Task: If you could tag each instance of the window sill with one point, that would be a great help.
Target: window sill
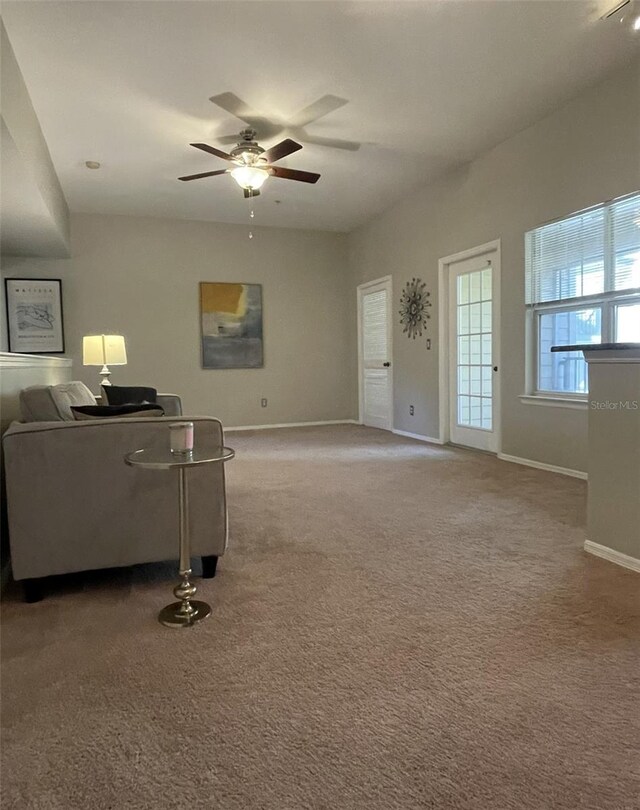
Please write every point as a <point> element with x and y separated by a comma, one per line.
<point>554,402</point>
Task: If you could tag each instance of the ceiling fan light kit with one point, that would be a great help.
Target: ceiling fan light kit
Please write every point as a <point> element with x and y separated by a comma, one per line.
<point>252,163</point>
<point>249,177</point>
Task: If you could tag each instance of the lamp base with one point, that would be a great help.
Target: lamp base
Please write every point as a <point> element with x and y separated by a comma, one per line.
<point>104,376</point>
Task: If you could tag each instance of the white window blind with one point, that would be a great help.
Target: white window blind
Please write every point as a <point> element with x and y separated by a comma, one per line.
<point>625,242</point>
<point>590,253</point>
<point>374,326</point>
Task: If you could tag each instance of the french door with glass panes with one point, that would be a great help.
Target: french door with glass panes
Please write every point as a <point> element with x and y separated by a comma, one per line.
<point>473,351</point>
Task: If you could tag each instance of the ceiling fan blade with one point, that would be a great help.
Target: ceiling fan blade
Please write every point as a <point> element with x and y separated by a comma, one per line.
<point>251,192</point>
<point>232,104</point>
<point>293,174</point>
<point>332,143</point>
<point>323,106</point>
<point>203,174</point>
<point>280,150</point>
<point>212,150</point>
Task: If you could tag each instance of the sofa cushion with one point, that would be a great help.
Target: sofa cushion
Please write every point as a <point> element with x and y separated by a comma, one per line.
<point>36,405</point>
<point>128,394</point>
<point>52,403</point>
<point>83,412</point>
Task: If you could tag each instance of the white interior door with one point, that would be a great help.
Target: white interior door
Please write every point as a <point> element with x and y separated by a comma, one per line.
<point>374,332</point>
<point>474,351</point>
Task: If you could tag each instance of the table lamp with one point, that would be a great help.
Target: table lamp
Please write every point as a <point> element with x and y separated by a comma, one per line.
<point>105,351</point>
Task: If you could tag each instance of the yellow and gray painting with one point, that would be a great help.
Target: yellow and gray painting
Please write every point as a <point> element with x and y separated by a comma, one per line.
<point>231,318</point>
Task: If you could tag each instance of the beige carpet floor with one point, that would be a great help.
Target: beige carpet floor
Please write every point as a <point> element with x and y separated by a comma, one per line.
<point>396,626</point>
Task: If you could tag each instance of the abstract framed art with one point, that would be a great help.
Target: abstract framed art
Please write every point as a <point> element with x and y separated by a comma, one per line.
<point>231,325</point>
<point>34,315</point>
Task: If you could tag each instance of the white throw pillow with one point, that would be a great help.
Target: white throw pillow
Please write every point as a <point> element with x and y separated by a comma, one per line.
<point>65,395</point>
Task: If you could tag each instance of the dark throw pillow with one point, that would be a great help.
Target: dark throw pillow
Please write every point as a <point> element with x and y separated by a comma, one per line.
<point>85,412</point>
<point>128,394</point>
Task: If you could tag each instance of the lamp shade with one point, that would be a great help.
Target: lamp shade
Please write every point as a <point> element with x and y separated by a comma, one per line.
<point>104,350</point>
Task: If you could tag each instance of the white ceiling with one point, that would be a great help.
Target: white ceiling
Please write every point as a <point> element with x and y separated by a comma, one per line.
<point>429,85</point>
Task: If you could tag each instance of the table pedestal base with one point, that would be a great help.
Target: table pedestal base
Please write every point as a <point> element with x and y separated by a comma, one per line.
<point>174,615</point>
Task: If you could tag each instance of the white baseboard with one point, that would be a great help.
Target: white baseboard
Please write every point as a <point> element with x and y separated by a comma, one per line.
<point>291,424</point>
<point>540,465</point>
<point>610,554</point>
<point>419,436</point>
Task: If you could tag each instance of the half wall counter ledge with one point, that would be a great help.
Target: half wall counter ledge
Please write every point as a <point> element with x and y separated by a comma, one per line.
<point>613,501</point>
<point>599,347</point>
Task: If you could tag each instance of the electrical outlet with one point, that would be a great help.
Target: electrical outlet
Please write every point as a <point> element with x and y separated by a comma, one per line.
<point>410,410</point>
<point>263,402</point>
<point>428,343</point>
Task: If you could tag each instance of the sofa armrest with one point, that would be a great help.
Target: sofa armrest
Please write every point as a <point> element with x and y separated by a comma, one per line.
<point>171,403</point>
<point>74,505</point>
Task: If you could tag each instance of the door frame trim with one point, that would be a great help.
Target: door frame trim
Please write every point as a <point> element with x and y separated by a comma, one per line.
<point>443,336</point>
<point>359,290</point>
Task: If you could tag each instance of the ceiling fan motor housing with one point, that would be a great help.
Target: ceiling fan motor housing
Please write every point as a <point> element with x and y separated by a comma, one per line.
<point>247,146</point>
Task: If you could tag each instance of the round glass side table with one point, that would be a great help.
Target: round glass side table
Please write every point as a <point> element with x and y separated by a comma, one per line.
<point>188,611</point>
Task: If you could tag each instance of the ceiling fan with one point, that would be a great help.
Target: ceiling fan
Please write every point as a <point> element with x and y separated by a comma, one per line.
<point>253,165</point>
<point>296,125</point>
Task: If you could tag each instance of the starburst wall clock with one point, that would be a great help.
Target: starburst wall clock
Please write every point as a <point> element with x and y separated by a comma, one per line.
<point>414,308</point>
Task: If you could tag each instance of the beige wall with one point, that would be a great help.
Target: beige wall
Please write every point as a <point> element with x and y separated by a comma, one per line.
<point>139,277</point>
<point>613,506</point>
<point>35,216</point>
<point>586,152</point>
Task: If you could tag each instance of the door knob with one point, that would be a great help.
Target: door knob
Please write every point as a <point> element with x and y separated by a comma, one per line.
<point>386,365</point>
<point>495,368</point>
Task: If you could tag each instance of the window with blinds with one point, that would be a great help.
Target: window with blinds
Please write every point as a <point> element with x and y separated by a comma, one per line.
<point>594,252</point>
<point>582,286</point>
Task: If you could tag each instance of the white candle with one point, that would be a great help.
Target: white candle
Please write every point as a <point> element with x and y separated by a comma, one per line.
<point>181,437</point>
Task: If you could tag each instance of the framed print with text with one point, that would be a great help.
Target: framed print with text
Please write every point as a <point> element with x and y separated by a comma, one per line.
<point>34,315</point>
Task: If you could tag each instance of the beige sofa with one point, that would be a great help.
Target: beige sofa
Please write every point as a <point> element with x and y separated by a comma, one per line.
<point>73,504</point>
